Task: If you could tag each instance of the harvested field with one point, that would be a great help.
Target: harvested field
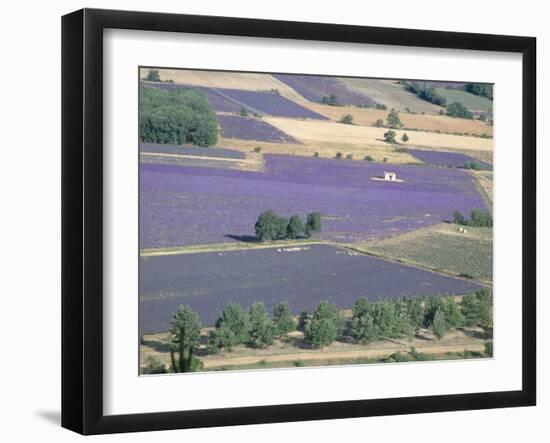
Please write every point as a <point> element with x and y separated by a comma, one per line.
<point>318,131</point>
<point>471,101</point>
<point>324,150</point>
<point>220,79</point>
<point>301,276</point>
<point>441,247</point>
<point>442,123</point>
<point>391,94</point>
<point>188,206</point>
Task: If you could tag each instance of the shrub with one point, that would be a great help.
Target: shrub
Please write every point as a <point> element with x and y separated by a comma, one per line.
<point>258,149</point>
<point>405,138</point>
<point>262,330</point>
<point>488,348</point>
<point>339,155</point>
<point>303,320</point>
<point>438,326</point>
<point>482,117</point>
<point>347,119</point>
<point>282,317</point>
<point>389,136</point>
<point>316,154</point>
<point>385,160</point>
<point>349,157</point>
<point>154,366</point>
<point>379,123</point>
<point>243,112</point>
<point>330,100</point>
<point>381,107</point>
<point>369,158</point>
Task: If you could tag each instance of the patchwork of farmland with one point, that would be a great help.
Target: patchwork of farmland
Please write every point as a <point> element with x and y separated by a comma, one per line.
<point>316,88</point>
<point>249,128</point>
<point>448,159</point>
<point>188,206</point>
<point>301,276</point>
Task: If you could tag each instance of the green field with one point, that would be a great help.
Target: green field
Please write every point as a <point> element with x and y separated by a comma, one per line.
<point>471,101</point>
<point>442,248</point>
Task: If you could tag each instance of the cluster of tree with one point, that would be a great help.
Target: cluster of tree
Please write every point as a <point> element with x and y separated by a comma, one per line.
<point>369,322</point>
<point>379,106</point>
<point>153,76</point>
<point>478,219</point>
<point>428,94</point>
<point>177,116</point>
<point>457,109</point>
<point>271,226</point>
<point>330,100</point>
<point>405,316</point>
<point>389,136</point>
<point>482,89</point>
<point>254,328</point>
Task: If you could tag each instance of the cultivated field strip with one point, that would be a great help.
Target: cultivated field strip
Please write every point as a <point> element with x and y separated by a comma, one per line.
<point>318,131</point>
<point>301,275</point>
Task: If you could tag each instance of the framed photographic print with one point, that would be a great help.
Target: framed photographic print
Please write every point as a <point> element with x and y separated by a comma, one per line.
<point>273,221</point>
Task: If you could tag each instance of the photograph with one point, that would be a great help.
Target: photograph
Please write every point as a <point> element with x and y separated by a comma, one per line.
<point>290,220</point>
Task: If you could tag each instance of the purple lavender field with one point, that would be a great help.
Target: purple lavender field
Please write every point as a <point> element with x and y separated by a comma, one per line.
<point>303,278</point>
<point>191,150</point>
<point>233,100</point>
<point>448,159</point>
<point>314,88</point>
<point>249,128</point>
<point>190,205</point>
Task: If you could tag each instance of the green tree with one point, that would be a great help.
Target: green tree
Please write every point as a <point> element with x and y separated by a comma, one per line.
<point>457,109</point>
<point>331,100</point>
<point>232,328</point>
<point>339,155</point>
<point>347,119</point>
<point>438,326</point>
<point>324,326</point>
<point>389,136</point>
<point>295,228</point>
<point>393,119</point>
<point>369,158</point>
<point>453,314</point>
<point>405,138</point>
<point>267,226</point>
<point>282,317</point>
<point>154,366</point>
<point>185,332</point>
<point>313,223</point>
<point>153,76</point>
<point>458,218</point>
<point>417,312</point>
<point>477,309</point>
<point>362,326</point>
<point>243,112</point>
<point>262,329</point>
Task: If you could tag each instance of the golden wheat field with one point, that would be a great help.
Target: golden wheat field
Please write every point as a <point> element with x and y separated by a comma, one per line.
<point>367,117</point>
<point>323,131</point>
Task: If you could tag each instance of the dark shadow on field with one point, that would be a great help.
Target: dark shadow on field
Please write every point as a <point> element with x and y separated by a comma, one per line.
<point>157,345</point>
<point>242,238</point>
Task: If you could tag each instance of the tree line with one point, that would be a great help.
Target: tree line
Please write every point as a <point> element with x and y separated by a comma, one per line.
<point>271,226</point>
<point>478,219</point>
<point>370,321</point>
<point>176,116</point>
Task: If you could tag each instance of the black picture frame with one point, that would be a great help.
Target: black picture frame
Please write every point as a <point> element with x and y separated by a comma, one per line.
<point>82,218</point>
